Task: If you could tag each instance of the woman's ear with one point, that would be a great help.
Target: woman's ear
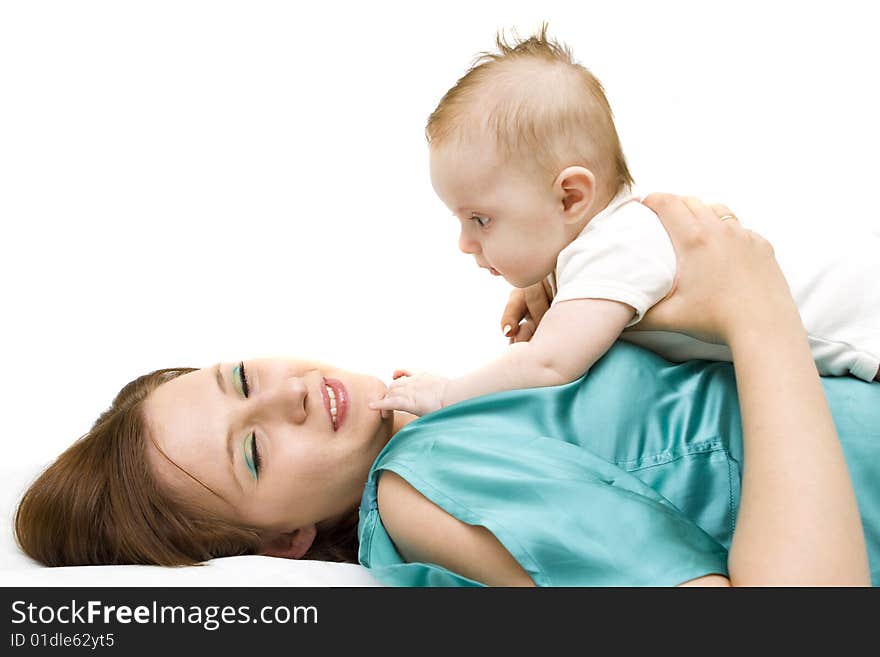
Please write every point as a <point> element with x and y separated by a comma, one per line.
<point>290,545</point>
<point>576,189</point>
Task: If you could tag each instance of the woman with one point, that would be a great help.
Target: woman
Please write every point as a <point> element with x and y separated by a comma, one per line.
<point>629,476</point>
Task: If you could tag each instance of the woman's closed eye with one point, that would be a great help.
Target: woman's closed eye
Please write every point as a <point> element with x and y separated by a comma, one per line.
<point>252,455</point>
<point>239,380</point>
<point>251,451</point>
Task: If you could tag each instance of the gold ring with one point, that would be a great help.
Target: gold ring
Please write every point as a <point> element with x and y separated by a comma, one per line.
<point>727,216</point>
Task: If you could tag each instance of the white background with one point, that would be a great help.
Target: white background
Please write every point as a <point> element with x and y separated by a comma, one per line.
<point>186,182</point>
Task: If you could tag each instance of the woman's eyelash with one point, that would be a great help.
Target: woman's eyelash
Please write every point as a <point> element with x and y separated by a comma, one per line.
<point>245,388</point>
<point>252,455</point>
<point>255,455</point>
<point>480,220</point>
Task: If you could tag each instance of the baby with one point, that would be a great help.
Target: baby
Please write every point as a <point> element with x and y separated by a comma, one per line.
<point>524,151</point>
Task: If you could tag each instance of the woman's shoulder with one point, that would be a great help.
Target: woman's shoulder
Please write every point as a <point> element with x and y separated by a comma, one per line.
<point>424,532</point>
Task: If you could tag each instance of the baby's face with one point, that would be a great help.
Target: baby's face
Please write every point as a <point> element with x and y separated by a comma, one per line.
<point>511,221</point>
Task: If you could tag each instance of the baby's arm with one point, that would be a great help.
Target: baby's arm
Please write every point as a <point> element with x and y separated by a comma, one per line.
<point>571,337</point>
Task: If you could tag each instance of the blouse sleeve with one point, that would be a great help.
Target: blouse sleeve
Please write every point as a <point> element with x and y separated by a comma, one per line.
<point>569,517</point>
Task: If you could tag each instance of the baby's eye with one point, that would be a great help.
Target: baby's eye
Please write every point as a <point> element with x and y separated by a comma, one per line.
<point>480,220</point>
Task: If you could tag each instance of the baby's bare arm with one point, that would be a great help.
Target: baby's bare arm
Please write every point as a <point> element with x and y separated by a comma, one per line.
<point>572,336</point>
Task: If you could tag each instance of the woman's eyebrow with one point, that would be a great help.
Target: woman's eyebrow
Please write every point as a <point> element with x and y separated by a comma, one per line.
<point>221,383</point>
<point>219,376</point>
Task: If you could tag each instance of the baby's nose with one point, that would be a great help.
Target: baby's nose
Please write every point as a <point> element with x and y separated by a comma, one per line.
<point>467,244</point>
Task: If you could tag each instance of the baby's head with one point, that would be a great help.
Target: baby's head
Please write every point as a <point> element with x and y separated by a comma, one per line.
<point>524,152</point>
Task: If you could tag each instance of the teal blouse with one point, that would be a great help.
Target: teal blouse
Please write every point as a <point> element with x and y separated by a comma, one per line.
<point>629,476</point>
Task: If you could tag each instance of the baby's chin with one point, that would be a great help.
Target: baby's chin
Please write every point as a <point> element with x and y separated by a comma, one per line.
<point>533,278</point>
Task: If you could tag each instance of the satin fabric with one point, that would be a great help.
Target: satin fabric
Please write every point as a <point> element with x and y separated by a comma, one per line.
<point>629,476</point>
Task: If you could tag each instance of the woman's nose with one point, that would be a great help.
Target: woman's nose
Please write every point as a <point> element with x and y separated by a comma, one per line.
<point>287,400</point>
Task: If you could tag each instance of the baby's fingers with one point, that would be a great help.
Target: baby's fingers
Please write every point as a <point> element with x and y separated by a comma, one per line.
<point>400,386</point>
<point>538,298</point>
<point>513,313</point>
<point>394,403</point>
<point>525,332</point>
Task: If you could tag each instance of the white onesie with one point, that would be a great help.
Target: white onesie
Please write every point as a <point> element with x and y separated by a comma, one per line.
<point>624,254</point>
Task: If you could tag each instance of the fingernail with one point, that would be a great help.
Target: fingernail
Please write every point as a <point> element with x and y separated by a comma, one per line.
<point>507,328</point>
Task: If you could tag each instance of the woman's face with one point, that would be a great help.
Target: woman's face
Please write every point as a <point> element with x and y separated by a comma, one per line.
<point>286,443</point>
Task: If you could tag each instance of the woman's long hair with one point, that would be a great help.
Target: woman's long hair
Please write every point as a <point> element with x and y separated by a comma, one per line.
<point>99,503</point>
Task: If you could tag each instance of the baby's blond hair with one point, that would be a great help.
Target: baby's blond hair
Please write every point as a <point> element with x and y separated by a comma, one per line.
<point>541,107</point>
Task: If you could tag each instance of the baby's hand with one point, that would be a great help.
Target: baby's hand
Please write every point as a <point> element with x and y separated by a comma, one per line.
<point>418,394</point>
<point>524,310</point>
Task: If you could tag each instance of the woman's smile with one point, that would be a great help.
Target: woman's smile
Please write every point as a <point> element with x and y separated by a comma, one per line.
<point>335,397</point>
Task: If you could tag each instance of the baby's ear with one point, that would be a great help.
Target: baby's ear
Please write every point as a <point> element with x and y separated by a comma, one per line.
<point>576,188</point>
<point>290,545</point>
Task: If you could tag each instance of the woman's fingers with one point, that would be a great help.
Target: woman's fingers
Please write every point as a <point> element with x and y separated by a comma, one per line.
<point>726,275</point>
<point>676,217</point>
<point>699,209</point>
<point>683,215</point>
<point>703,249</point>
<point>723,212</point>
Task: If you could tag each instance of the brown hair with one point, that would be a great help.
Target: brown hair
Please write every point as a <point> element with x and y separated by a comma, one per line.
<point>540,105</point>
<point>99,504</point>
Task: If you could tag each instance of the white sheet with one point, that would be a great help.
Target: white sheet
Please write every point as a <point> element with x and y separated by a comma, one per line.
<point>16,569</point>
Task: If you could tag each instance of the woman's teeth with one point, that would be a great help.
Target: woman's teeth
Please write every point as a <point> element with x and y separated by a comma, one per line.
<point>332,396</point>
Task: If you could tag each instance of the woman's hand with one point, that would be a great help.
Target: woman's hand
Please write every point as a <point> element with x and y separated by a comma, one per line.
<point>798,521</point>
<point>727,279</point>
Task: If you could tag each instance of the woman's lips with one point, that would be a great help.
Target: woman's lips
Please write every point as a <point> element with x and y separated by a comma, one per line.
<point>494,271</point>
<point>341,394</point>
